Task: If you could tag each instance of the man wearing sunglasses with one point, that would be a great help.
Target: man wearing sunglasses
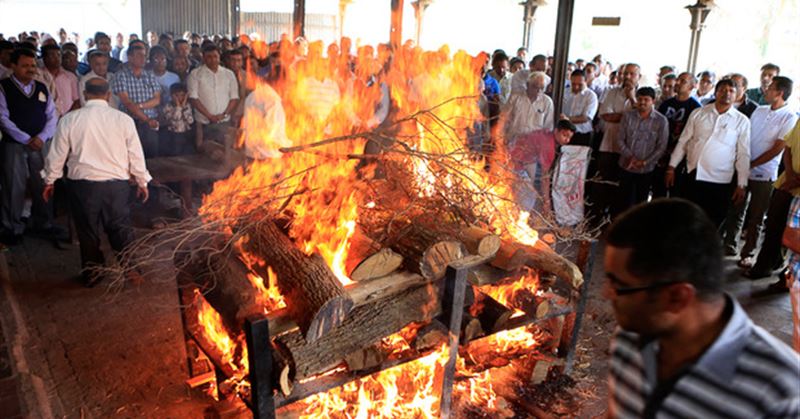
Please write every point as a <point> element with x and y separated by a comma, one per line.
<point>685,348</point>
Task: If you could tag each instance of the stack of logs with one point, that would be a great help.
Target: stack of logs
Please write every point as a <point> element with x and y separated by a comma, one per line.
<point>396,283</point>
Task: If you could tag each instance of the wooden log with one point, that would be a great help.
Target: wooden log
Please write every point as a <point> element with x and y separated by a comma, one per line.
<point>479,241</point>
<point>486,275</point>
<point>315,298</point>
<point>369,357</point>
<point>361,247</point>
<point>427,252</point>
<point>492,315</point>
<point>190,296</point>
<point>430,336</point>
<point>513,256</point>
<point>471,328</point>
<point>381,263</point>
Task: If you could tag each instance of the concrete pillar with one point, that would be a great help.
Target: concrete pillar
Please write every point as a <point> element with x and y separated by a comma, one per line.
<point>299,18</point>
<point>396,32</point>
<point>529,10</point>
<point>699,12</point>
<point>419,13</point>
<point>342,12</point>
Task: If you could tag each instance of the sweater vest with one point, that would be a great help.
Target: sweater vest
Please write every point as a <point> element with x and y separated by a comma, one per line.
<point>28,113</point>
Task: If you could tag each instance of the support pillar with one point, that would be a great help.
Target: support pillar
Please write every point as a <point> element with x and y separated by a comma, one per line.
<point>529,10</point>
<point>233,17</point>
<point>419,13</point>
<point>396,32</point>
<point>299,19</point>
<point>699,12</point>
<point>561,51</point>
<point>342,12</point>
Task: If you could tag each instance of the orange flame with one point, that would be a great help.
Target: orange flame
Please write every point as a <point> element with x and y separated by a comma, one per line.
<point>506,292</point>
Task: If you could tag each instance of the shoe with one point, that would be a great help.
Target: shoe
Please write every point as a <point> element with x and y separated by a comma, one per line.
<point>746,262</point>
<point>754,275</point>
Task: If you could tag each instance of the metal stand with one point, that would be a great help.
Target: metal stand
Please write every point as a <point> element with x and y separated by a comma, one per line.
<point>259,357</point>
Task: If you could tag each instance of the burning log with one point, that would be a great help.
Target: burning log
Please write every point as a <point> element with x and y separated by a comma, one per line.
<point>486,275</point>
<point>480,242</point>
<point>513,256</point>
<point>492,315</point>
<point>426,251</point>
<point>190,296</point>
<point>430,336</point>
<point>366,259</point>
<point>471,328</point>
<point>315,298</point>
<point>369,357</point>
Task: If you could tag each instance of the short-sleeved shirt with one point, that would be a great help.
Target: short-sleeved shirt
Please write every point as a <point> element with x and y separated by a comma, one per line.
<point>677,113</point>
<point>177,119</point>
<point>614,101</point>
<point>793,221</point>
<point>214,89</point>
<point>583,103</point>
<point>793,143</point>
<point>766,127</point>
<point>536,147</point>
<point>140,89</point>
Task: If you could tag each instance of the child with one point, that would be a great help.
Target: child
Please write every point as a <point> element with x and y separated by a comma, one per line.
<point>178,121</point>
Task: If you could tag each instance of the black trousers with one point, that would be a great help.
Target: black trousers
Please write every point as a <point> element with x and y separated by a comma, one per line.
<point>149,139</point>
<point>98,206</point>
<point>20,171</point>
<point>634,188</point>
<point>713,198</point>
<point>770,256</point>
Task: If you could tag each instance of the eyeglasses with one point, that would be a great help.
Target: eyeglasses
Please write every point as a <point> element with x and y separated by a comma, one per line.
<point>632,290</point>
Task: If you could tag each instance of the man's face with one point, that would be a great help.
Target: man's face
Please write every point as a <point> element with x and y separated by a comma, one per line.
<point>539,65</point>
<point>668,88</point>
<point>589,71</point>
<point>235,62</point>
<point>501,68</point>
<point>180,64</point>
<point>119,39</point>
<point>52,59</point>
<point>563,136</point>
<point>740,88</point>
<point>725,94</point>
<point>630,76</point>
<point>182,49</point>
<point>138,58</point>
<point>24,69</point>
<point>159,62</point>
<point>773,93</point>
<point>767,76</point>
<point>535,87</point>
<point>179,97</point>
<point>517,66</point>
<point>577,83</point>
<point>705,84</point>
<point>104,44</point>
<point>644,103</point>
<point>99,65</point>
<point>211,59</point>
<point>69,61</point>
<point>684,84</point>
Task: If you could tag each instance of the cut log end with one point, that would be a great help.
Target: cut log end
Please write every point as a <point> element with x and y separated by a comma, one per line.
<point>329,316</point>
<point>437,257</point>
<point>377,265</point>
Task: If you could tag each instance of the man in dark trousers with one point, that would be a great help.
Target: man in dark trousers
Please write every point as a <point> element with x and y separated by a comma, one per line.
<point>103,154</point>
<point>27,121</point>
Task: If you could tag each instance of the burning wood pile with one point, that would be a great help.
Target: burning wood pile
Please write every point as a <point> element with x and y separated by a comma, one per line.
<point>319,265</point>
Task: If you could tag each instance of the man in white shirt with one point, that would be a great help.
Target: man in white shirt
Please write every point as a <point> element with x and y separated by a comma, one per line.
<point>527,112</point>
<point>580,106</point>
<point>769,124</point>
<point>98,61</point>
<point>501,74</point>
<point>716,144</point>
<point>214,94</point>
<point>103,153</point>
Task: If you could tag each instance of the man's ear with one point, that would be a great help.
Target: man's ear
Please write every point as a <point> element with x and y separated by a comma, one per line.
<point>678,296</point>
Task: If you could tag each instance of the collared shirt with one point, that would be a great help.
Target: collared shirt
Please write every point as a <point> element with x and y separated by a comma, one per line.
<point>793,221</point>
<point>214,90</point>
<point>766,127</point>
<point>583,103</point>
<point>793,143</point>
<point>746,373</point>
<point>615,101</point>
<point>49,81</point>
<point>715,144</point>
<point>599,87</point>
<point>523,116</point>
<point>66,85</point>
<point>756,95</point>
<point>177,118</point>
<point>535,147</point>
<point>113,101</point>
<point>97,143</point>
<point>140,89</point>
<point>505,85</point>
<point>642,139</point>
<point>12,129</point>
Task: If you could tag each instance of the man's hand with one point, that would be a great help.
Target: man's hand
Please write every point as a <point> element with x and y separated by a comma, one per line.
<point>47,193</point>
<point>214,119</point>
<point>142,193</point>
<point>738,195</point>
<point>669,177</point>
<point>152,123</point>
<point>35,143</point>
<point>790,183</point>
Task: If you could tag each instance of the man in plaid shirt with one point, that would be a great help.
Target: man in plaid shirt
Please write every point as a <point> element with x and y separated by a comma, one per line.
<point>140,95</point>
<point>791,239</point>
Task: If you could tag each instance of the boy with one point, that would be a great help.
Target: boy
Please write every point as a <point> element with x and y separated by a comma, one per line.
<point>178,120</point>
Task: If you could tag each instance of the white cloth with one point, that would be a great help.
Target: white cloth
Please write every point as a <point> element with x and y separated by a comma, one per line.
<point>715,144</point>
<point>214,90</point>
<point>766,127</point>
<point>614,101</point>
<point>519,82</point>
<point>577,104</point>
<point>568,180</point>
<point>113,101</point>
<point>523,116</point>
<point>5,72</point>
<point>505,86</point>
<point>97,143</point>
<point>264,124</point>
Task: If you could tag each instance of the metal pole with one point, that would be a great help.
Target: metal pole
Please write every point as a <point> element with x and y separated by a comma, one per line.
<point>455,286</point>
<point>234,17</point>
<point>396,32</point>
<point>561,51</point>
<point>259,357</point>
<point>299,18</point>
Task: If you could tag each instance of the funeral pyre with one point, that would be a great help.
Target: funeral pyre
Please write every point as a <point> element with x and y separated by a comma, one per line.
<point>344,251</point>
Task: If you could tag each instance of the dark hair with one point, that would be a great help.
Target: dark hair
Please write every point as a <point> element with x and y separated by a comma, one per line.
<point>671,240</point>
<point>538,57</point>
<point>70,46</point>
<point>706,73</point>
<point>498,58</point>
<point>734,75</point>
<point>770,66</point>
<point>138,42</point>
<point>724,82</point>
<point>157,49</point>
<point>577,72</point>
<point>49,47</point>
<point>100,35</point>
<point>515,60</point>
<point>670,76</point>
<point>96,86</point>
<point>96,53</point>
<point>4,45</point>
<point>522,49</point>
<point>646,91</point>
<point>563,124</point>
<point>211,47</point>
<point>180,41</point>
<point>22,52</point>
<point>590,64</point>
<point>177,88</point>
<point>784,84</point>
<point>135,47</point>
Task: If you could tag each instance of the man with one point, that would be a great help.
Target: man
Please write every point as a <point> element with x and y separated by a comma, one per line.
<point>593,81</point>
<point>527,112</point>
<point>28,119</point>
<point>158,64</point>
<point>103,43</point>
<point>234,61</point>
<point>516,65</point>
<point>65,83</point>
<point>786,187</point>
<point>677,111</point>
<point>684,348</point>
<point>100,148</point>
<point>579,107</point>
<point>118,47</point>
<point>791,239</point>
<point>502,76</point>
<point>705,87</point>
<point>214,94</point>
<point>69,62</point>
<point>716,144</point>
<point>667,88</point>
<point>742,103</point>
<point>522,54</point>
<point>98,61</point>
<point>769,126</point>
<point>642,140</point>
<point>6,48</point>
<point>616,102</point>
<point>768,72</point>
<point>140,95</point>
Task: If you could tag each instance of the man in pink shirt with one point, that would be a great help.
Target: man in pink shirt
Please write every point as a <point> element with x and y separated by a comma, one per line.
<point>65,82</point>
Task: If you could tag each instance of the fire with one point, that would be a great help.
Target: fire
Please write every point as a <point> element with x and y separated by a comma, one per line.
<point>270,296</point>
<point>214,331</point>
<point>527,282</point>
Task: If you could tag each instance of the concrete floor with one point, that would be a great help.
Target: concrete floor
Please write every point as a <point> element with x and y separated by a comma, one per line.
<point>84,353</point>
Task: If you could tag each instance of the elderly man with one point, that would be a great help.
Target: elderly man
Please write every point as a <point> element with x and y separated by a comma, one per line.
<point>140,94</point>
<point>529,111</point>
<point>98,61</point>
<point>102,152</point>
<point>214,94</point>
<point>685,348</point>
<point>27,120</point>
<point>716,144</point>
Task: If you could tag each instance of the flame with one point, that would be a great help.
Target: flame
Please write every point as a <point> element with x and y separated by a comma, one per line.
<point>269,295</point>
<point>214,331</point>
<point>505,293</point>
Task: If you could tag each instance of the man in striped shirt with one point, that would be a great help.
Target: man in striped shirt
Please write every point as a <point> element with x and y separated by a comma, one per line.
<point>685,348</point>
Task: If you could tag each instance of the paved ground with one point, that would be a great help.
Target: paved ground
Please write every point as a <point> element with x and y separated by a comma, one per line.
<point>74,352</point>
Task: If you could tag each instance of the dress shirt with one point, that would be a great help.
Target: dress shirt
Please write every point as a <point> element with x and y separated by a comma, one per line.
<point>766,127</point>
<point>214,90</point>
<point>642,139</point>
<point>66,84</point>
<point>715,144</point>
<point>49,81</point>
<point>615,101</point>
<point>505,85</point>
<point>97,143</point>
<point>577,104</point>
<point>523,116</point>
<point>756,95</point>
<point>11,128</point>
<point>113,101</point>
<point>140,89</point>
